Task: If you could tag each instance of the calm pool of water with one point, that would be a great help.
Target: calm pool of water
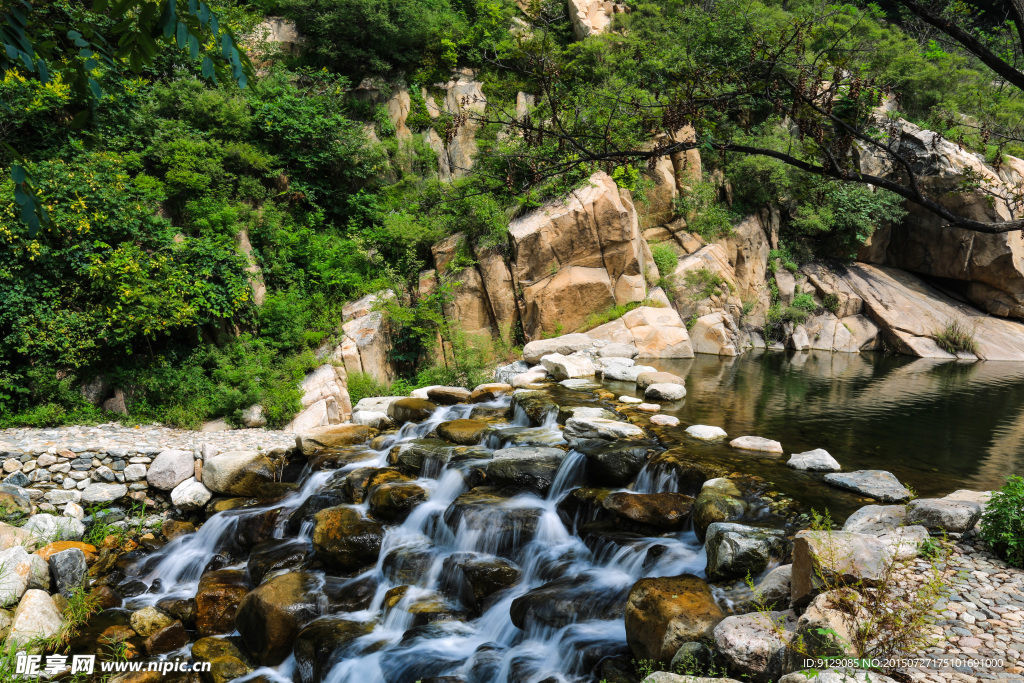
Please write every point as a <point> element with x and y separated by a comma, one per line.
<point>938,426</point>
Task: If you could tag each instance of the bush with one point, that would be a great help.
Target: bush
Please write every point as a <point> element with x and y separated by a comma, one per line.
<point>665,259</point>
<point>956,337</point>
<point>705,283</point>
<point>1002,525</point>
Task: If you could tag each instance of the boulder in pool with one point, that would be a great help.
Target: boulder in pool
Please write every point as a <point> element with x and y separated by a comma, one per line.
<point>736,550</point>
<point>335,436</point>
<point>472,577</point>
<point>706,432</point>
<point>665,612</point>
<point>646,379</point>
<point>817,460</point>
<point>238,473</point>
<point>877,484</point>
<point>601,428</point>
<point>613,464</point>
<point>489,392</point>
<point>462,432</point>
<point>566,344</point>
<point>626,373</point>
<point>756,443</point>
<point>269,617</point>
<point>411,410</point>
<point>665,392</point>
<point>316,644</point>
<point>345,540</point>
<point>568,367</point>
<point>662,511</point>
<point>217,599</point>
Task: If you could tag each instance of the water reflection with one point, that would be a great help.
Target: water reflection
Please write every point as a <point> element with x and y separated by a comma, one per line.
<point>937,425</point>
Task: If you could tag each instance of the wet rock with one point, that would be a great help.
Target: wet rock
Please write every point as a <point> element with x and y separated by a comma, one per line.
<point>755,644</point>
<point>344,540</point>
<point>877,484</point>
<point>410,410</point>
<point>688,473</point>
<point>334,436</point>
<point>393,502</point>
<point>774,589</point>
<point>167,639</point>
<point>626,373</point>
<point>408,564</point>
<point>15,569</point>
<point>69,570</point>
<point>238,473</point>
<point>645,380</point>
<point>37,617</point>
<point>736,550</point>
<point>663,613</point>
<point>448,396</point>
<point>253,528</point>
<point>613,464</point>
<point>426,457</point>
<point>665,392</point>
<point>600,428</point>
<point>190,495</point>
<point>149,620</point>
<point>667,511</point>
<point>173,528</point>
<point>370,418</point>
<point>482,509</point>
<point>531,468</point>
<point>537,405</point>
<point>318,645</point>
<point>360,481</point>
<point>217,599</point>
<point>276,555</point>
<point>269,617</point>
<point>838,556</point>
<point>105,597</point>
<point>818,460</point>
<point>226,659</point>
<point>472,578</point>
<point>170,468</point>
<point>568,367</point>
<point>568,600</point>
<point>664,420</point>
<point>181,609</point>
<point>463,432</point>
<point>46,528</point>
<point>486,393</point>
<point>953,516</point>
<point>756,443</point>
<point>425,606</point>
<point>706,432</point>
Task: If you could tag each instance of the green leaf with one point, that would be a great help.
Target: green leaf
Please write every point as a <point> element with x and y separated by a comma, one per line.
<point>182,35</point>
<point>207,68</point>
<point>97,92</point>
<point>18,174</point>
<point>193,46</point>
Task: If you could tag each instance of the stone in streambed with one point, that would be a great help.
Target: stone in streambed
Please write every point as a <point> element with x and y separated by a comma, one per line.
<point>393,502</point>
<point>664,421</point>
<point>531,468</point>
<point>167,639</point>
<point>462,432</point>
<point>149,620</point>
<point>876,520</point>
<point>269,617</point>
<point>566,344</point>
<point>473,578</point>
<point>410,410</point>
<point>689,473</point>
<point>877,484</point>
<point>69,570</point>
<point>613,464</point>
<point>836,556</point>
<point>317,643</point>
<point>238,473</point>
<point>217,599</point>
<point>227,661</point>
<point>489,392</point>
<point>600,428</point>
<point>716,505</point>
<point>706,432</point>
<point>333,436</point>
<point>645,380</point>
<point>756,443</point>
<point>568,367</point>
<point>665,392</point>
<point>773,590</point>
<point>344,540</point>
<point>818,460</point>
<point>626,373</point>
<point>668,511</point>
<point>663,613</point>
<point>736,550</point>
<point>448,396</point>
<point>276,555</point>
<point>566,600</point>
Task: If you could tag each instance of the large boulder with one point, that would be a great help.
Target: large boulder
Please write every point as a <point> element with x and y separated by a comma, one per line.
<point>15,570</point>
<point>170,468</point>
<point>190,495</point>
<point>735,550</point>
<point>217,599</point>
<point>876,520</point>
<point>269,617</point>
<point>69,570</point>
<point>601,428</point>
<point>567,367</point>
<point>526,467</point>
<point>238,473</point>
<point>225,658</point>
<point>823,560</point>
<point>462,432</point>
<point>877,484</point>
<point>615,463</point>
<point>714,505</point>
<point>411,410</point>
<point>566,344</point>
<point>658,333</point>
<point>36,618</point>
<point>663,613</point>
<point>344,540</point>
<point>954,516</point>
<point>755,644</point>
<point>577,256</point>
<point>46,528</point>
<point>338,436</point>
<point>668,511</point>
<point>317,644</point>
<point>325,400</point>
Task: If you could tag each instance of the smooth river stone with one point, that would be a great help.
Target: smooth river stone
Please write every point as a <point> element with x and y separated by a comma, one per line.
<point>706,432</point>
<point>756,443</point>
<point>877,484</point>
<point>818,460</point>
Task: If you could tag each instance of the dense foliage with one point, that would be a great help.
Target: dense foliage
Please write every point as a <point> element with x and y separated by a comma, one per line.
<point>157,178</point>
<point>1002,525</point>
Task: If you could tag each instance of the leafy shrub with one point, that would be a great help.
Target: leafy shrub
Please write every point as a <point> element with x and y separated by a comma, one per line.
<point>956,337</point>
<point>705,283</point>
<point>704,213</point>
<point>665,259</point>
<point>1002,525</point>
<point>805,302</point>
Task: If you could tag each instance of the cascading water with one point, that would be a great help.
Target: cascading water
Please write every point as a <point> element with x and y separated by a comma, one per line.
<point>524,532</point>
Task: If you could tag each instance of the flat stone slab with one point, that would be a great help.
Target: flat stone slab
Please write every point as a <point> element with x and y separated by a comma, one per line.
<point>818,460</point>
<point>956,516</point>
<point>877,484</point>
<point>580,384</point>
<point>756,443</point>
<point>665,420</point>
<point>631,399</point>
<point>649,407</point>
<point>706,432</point>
